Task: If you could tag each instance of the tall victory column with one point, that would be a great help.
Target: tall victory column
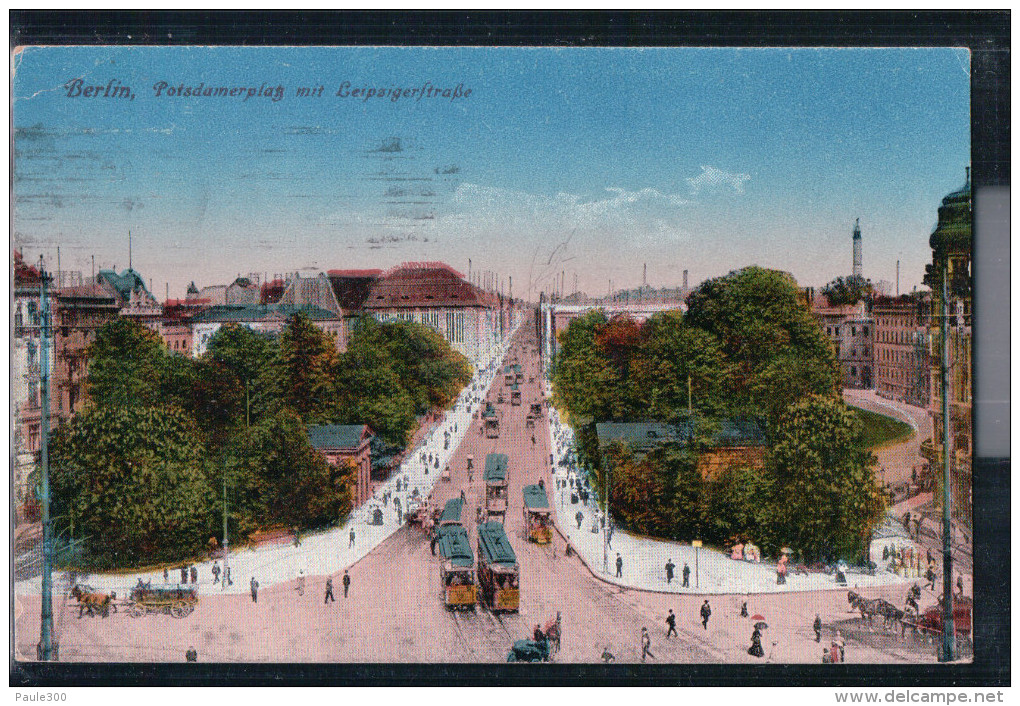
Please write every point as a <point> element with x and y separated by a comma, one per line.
<point>857,248</point>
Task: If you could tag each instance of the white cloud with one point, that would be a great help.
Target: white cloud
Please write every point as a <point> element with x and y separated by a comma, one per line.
<point>712,179</point>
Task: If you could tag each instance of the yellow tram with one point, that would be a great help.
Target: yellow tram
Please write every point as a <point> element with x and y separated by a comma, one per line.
<point>498,573</point>
<point>537,515</point>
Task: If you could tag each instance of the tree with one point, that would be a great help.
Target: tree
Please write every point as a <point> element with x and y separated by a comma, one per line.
<point>274,477</point>
<point>586,381</point>
<point>305,369</point>
<point>847,290</point>
<point>133,481</point>
<point>677,364</point>
<point>826,498</point>
<point>125,365</point>
<point>774,346</point>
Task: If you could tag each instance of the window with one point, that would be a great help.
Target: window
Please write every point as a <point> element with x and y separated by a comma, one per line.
<point>865,330</point>
<point>460,327</point>
<point>450,326</point>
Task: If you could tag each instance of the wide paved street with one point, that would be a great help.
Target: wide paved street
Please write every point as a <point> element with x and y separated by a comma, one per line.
<point>395,613</point>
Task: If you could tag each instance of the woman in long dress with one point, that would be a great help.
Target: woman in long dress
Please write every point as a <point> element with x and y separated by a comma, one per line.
<point>755,650</point>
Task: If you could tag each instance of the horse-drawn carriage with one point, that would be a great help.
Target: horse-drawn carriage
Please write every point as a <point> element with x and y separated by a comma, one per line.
<point>92,601</point>
<point>419,514</point>
<point>176,601</point>
<point>545,641</point>
<point>931,622</point>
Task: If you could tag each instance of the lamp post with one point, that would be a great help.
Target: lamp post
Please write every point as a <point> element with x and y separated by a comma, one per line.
<point>46,649</point>
<point>226,541</point>
<point>697,574</point>
<point>948,652</point>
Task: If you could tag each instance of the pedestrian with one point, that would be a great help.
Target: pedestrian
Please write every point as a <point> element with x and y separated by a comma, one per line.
<point>432,545</point>
<point>346,582</point>
<point>437,462</point>
<point>818,628</point>
<point>706,613</point>
<point>194,574</point>
<point>184,574</point>
<point>609,535</point>
<point>166,575</point>
<point>931,559</point>
<point>671,624</point>
<point>580,518</point>
<point>906,521</point>
<point>191,655</point>
<point>216,572</point>
<point>619,565</point>
<point>687,575</point>
<point>646,645</point>
<point>669,572</point>
<point>755,650</point>
<point>254,590</point>
<point>226,577</point>
<point>351,543</point>
<point>743,610</point>
<point>607,656</point>
<point>930,576</point>
<point>329,591</point>
<point>917,527</point>
<point>398,485</point>
<point>959,583</point>
<point>297,537</point>
<point>463,497</point>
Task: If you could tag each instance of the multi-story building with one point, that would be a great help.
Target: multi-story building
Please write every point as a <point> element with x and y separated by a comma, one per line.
<point>902,370</point>
<point>25,376</point>
<point>132,297</point>
<point>267,319</point>
<point>472,321</point>
<point>951,253</point>
<point>850,328</point>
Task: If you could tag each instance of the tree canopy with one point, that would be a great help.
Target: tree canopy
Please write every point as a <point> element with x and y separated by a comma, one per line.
<point>847,290</point>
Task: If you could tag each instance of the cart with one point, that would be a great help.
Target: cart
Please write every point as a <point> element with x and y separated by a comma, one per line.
<point>176,601</point>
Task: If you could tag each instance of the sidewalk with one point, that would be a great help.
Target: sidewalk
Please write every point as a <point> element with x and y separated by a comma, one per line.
<point>329,553</point>
<point>644,558</point>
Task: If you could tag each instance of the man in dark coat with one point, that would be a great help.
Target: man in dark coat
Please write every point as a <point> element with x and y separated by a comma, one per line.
<point>687,575</point>
<point>671,624</point>
<point>346,582</point>
<point>254,590</point>
<point>818,628</point>
<point>329,591</point>
<point>166,575</point>
<point>706,613</point>
<point>191,655</point>
<point>194,574</point>
<point>619,565</point>
<point>669,571</point>
<point>351,543</point>
<point>580,518</point>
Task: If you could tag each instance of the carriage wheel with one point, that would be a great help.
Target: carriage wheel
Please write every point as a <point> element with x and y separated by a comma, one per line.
<point>136,611</point>
<point>179,610</point>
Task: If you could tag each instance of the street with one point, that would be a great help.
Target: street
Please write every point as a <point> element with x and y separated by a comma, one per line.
<point>395,612</point>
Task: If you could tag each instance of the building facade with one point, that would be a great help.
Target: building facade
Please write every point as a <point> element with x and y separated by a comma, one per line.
<point>851,330</point>
<point>902,360</point>
<point>950,244</point>
<point>338,442</point>
<point>269,319</point>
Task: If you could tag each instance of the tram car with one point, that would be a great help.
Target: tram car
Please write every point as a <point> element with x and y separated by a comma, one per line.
<point>497,472</point>
<point>450,517</point>
<point>509,377</point>
<point>515,395</point>
<point>490,418</point>
<point>498,572</point>
<point>537,514</point>
<point>457,578</point>
<point>518,374</point>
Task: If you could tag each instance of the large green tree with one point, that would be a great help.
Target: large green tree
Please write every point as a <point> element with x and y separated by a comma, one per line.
<point>134,482</point>
<point>847,290</point>
<point>275,477</point>
<point>775,349</point>
<point>304,370</point>
<point>587,381</point>
<point>826,498</point>
<point>126,365</point>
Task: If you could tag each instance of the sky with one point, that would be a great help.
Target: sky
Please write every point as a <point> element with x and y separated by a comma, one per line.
<point>588,161</point>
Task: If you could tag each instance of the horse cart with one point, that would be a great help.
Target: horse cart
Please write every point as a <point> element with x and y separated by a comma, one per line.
<point>176,601</point>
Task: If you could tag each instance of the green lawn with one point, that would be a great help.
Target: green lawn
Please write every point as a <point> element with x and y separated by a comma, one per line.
<point>880,430</point>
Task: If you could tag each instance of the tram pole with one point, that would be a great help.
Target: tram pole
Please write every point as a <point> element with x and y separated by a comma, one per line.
<point>226,541</point>
<point>46,651</point>
<point>605,528</point>
<point>948,653</point>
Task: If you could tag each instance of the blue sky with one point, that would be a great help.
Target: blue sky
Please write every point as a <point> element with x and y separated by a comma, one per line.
<point>589,161</point>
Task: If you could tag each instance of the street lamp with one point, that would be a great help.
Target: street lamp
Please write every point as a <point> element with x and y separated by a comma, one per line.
<point>697,579</point>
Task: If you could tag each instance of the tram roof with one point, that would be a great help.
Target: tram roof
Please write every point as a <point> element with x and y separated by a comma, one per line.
<point>490,410</point>
<point>535,497</point>
<point>451,512</point>
<point>455,545</point>
<point>496,468</point>
<point>494,546</point>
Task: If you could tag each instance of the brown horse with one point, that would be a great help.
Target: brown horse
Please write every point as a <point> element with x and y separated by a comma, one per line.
<point>93,601</point>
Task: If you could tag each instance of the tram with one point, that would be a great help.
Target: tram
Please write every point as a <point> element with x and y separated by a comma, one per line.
<point>498,573</point>
<point>490,419</point>
<point>537,515</point>
<point>457,578</point>
<point>496,474</point>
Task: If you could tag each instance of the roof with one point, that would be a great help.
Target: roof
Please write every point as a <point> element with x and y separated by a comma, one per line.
<point>643,436</point>
<point>424,284</point>
<point>493,545</point>
<point>224,313</point>
<point>535,497</point>
<point>451,512</point>
<point>338,436</point>
<point>496,466</point>
<point>455,545</point>
<point>352,287</point>
<point>125,283</point>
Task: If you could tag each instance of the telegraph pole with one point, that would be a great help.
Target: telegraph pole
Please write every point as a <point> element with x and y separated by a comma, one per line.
<point>605,530</point>
<point>226,542</point>
<point>46,651</point>
<point>948,629</point>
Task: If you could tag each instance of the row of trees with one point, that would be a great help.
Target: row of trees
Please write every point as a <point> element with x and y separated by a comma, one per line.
<point>140,472</point>
<point>747,347</point>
